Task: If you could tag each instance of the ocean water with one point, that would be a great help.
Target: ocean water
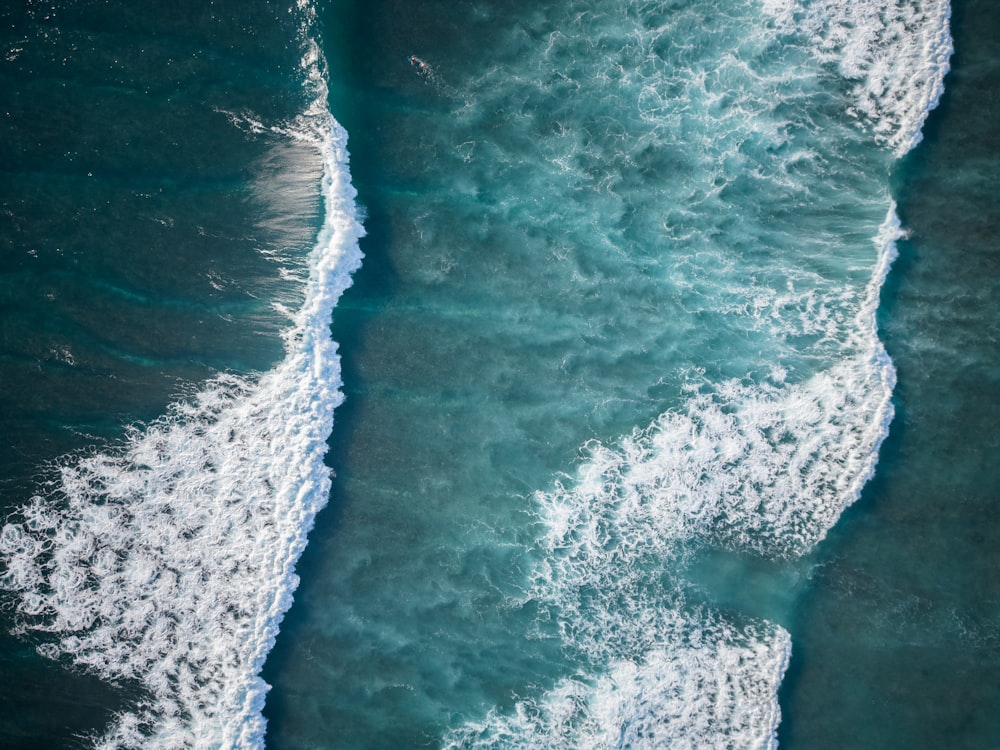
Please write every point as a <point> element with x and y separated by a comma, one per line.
<point>899,631</point>
<point>585,426</point>
<point>187,324</point>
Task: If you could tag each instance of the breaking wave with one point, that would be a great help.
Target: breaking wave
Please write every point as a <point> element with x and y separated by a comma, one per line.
<point>895,56</point>
<point>171,561</point>
<point>764,466</point>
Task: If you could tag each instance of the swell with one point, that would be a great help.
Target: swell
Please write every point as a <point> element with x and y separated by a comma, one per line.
<point>171,560</point>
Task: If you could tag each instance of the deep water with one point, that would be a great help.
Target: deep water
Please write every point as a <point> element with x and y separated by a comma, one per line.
<point>142,240</point>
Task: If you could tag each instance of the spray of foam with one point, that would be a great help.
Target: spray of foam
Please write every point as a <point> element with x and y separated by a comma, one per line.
<point>171,562</point>
<point>895,54</point>
<point>762,466</point>
<point>715,692</point>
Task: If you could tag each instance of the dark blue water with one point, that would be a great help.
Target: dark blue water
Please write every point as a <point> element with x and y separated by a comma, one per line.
<point>611,367</point>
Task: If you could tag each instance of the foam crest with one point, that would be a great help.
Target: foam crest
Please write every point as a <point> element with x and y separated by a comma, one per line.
<point>765,466</point>
<point>171,561</point>
<point>718,691</point>
<point>895,54</point>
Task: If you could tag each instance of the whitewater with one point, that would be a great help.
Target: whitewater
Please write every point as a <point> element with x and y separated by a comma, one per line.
<point>756,465</point>
<point>170,561</point>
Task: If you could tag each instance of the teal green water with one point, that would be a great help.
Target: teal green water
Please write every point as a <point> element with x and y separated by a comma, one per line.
<point>573,218</point>
<point>133,216</point>
<point>610,365</point>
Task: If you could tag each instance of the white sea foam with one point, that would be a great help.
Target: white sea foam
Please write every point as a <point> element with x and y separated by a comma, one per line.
<point>896,55</point>
<point>171,561</point>
<point>766,466</point>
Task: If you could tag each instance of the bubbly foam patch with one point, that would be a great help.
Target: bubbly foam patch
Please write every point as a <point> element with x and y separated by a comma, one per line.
<point>896,54</point>
<point>171,561</point>
<point>767,467</point>
<point>719,691</point>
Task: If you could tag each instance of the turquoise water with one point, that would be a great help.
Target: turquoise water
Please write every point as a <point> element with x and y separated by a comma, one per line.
<point>611,364</point>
